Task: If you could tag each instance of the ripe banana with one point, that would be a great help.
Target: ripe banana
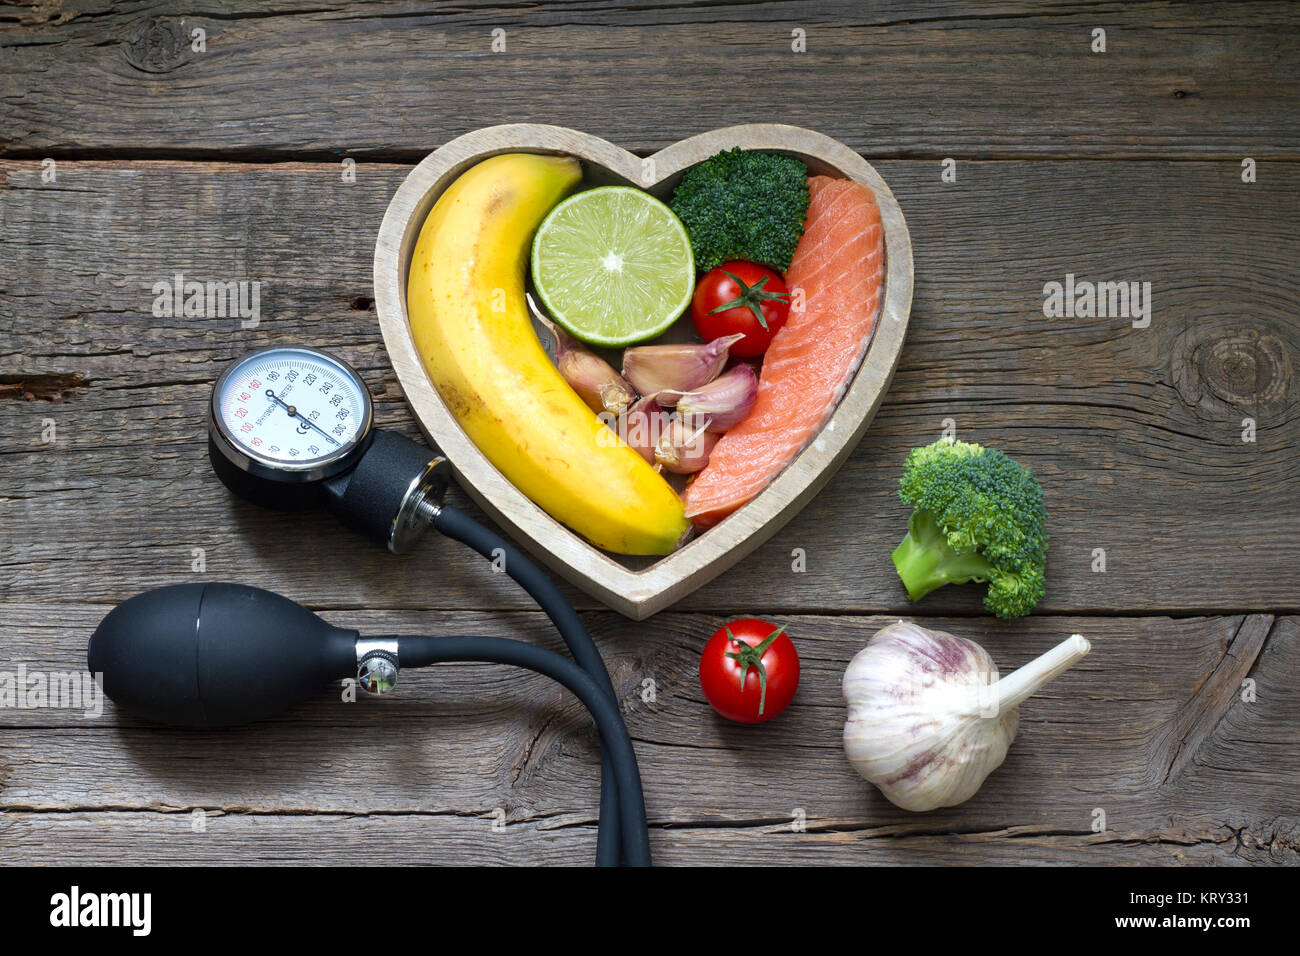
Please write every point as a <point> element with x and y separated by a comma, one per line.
<point>465,299</point>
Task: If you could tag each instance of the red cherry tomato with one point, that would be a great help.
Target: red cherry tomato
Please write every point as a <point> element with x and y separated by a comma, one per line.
<point>741,297</point>
<point>749,671</point>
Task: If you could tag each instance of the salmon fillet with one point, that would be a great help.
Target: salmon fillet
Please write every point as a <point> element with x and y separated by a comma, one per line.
<point>839,265</point>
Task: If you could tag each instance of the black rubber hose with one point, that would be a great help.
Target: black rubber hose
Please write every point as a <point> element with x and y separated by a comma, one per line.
<point>456,524</point>
<point>422,651</point>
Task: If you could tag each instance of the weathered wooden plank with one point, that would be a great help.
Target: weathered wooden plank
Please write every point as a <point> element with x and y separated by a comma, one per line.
<point>473,741</point>
<point>395,79</point>
<point>1135,433</point>
<point>232,839</point>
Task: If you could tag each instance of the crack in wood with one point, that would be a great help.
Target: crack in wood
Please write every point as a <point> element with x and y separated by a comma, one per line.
<point>567,820</point>
<point>42,13</point>
<point>409,156</point>
<point>1211,700</point>
<point>52,387</point>
<point>523,762</point>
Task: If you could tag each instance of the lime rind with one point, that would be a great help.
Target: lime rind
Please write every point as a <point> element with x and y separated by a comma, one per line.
<point>613,266</point>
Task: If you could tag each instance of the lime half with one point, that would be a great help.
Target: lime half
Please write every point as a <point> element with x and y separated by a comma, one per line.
<point>613,265</point>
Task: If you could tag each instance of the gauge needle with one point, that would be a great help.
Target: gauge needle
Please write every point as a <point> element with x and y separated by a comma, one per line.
<point>293,413</point>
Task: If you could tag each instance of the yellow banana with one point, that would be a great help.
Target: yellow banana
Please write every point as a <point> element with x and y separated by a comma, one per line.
<point>465,298</point>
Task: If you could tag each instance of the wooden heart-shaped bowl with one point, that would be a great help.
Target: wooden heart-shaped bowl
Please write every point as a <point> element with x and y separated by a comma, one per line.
<point>638,587</point>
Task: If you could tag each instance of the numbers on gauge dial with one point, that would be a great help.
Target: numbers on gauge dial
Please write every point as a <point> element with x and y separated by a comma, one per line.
<point>292,408</point>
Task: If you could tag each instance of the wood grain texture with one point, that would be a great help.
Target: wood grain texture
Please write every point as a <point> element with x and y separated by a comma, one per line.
<point>235,839</point>
<point>395,79</point>
<point>1182,723</point>
<point>1136,434</point>
<point>477,741</point>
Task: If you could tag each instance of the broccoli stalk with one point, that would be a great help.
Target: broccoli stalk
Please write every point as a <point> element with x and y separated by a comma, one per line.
<point>977,516</point>
<point>925,562</point>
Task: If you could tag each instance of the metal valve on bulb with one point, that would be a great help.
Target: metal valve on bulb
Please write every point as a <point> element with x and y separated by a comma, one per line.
<point>377,666</point>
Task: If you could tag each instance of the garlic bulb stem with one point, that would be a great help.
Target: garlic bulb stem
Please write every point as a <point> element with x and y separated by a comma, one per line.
<point>1016,687</point>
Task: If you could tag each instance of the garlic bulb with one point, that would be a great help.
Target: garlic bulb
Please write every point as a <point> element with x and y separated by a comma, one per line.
<point>929,719</point>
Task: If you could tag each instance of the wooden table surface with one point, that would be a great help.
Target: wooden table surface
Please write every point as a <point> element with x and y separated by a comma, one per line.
<point>127,156</point>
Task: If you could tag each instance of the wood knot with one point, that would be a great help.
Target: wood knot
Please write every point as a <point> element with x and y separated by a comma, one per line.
<point>1245,368</point>
<point>159,45</point>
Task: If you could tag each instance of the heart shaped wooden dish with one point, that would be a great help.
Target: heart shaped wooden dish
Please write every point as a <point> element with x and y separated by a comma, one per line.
<point>638,587</point>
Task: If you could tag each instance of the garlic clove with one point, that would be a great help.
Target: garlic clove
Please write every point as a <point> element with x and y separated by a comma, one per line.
<point>615,397</point>
<point>643,425</point>
<point>594,379</point>
<point>928,717</point>
<point>721,404</point>
<point>684,449</point>
<point>596,382</point>
<point>682,368</point>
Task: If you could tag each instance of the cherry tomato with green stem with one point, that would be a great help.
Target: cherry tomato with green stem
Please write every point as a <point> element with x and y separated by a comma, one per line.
<point>741,297</point>
<point>749,671</point>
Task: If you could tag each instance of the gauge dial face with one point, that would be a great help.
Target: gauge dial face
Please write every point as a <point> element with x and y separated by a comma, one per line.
<point>292,409</point>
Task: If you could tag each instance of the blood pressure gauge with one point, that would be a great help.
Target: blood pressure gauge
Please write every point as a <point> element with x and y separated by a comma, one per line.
<point>292,427</point>
<point>291,415</point>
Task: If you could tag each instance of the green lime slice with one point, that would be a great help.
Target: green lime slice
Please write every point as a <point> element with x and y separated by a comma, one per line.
<point>613,266</point>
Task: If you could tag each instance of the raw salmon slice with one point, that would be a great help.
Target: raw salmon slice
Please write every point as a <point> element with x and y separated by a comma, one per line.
<point>840,267</point>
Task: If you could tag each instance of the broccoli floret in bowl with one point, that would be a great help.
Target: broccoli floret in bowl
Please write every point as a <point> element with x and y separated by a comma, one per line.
<point>978,516</point>
<point>742,204</point>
